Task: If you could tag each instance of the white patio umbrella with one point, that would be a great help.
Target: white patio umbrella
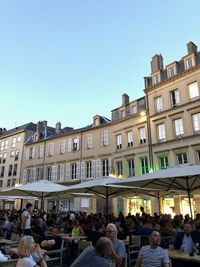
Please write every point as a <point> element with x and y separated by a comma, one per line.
<point>40,189</point>
<point>179,178</point>
<point>105,187</point>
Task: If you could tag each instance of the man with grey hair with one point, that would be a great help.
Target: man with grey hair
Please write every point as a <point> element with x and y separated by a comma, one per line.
<point>118,245</point>
<point>95,256</point>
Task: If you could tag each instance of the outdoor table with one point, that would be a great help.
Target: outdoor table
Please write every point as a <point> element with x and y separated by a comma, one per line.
<point>6,242</point>
<point>178,255</point>
<point>72,238</point>
<point>15,251</point>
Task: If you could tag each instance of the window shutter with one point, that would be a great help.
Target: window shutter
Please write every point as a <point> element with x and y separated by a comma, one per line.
<point>41,153</point>
<point>93,168</point>
<point>106,137</point>
<point>82,170</point>
<point>62,172</point>
<point>27,153</point>
<point>78,170</point>
<point>67,171</point>
<point>109,164</point>
<point>78,143</point>
<point>97,168</point>
<point>34,174</point>
<point>33,153</point>
<point>24,176</point>
<point>69,144</point>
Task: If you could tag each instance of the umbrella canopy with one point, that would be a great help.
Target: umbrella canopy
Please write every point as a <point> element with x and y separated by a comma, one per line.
<point>41,189</point>
<point>105,187</point>
<point>182,177</point>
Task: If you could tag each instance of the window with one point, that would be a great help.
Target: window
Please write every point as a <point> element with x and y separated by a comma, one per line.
<point>133,109</point>
<point>38,173</point>
<point>171,71</point>
<point>158,104</point>
<point>13,182</point>
<point>51,149</point>
<point>49,173</point>
<point>104,138</point>
<point>12,154</point>
<point>164,164</point>
<point>161,133</point>
<point>15,170</point>
<point>156,79</point>
<point>131,169</point>
<point>2,145</point>
<point>198,157</point>
<point>18,138</point>
<point>6,144</point>
<point>62,146</point>
<point>73,171</point>
<point>4,158</point>
<point>130,138</point>
<point>89,141</point>
<point>105,166</point>
<point>122,114</point>
<point>1,158</point>
<point>119,168</point>
<point>189,63</point>
<point>2,171</point>
<point>119,141</point>
<point>181,158</point>
<point>75,144</point>
<point>8,182</point>
<point>14,140</point>
<point>88,169</point>
<point>16,154</point>
<point>142,135</point>
<point>178,128</point>
<point>41,151</point>
<point>175,100</point>
<point>196,122</point>
<point>193,90</point>
<point>10,170</point>
<point>144,165</point>
<point>1,183</point>
<point>30,153</point>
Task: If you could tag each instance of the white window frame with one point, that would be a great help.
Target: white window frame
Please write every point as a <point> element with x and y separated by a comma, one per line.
<point>41,151</point>
<point>105,138</point>
<point>193,90</point>
<point>175,98</point>
<point>161,132</point>
<point>51,149</point>
<point>189,63</point>
<point>130,138</point>
<point>178,128</point>
<point>184,160</point>
<point>62,146</point>
<point>119,141</point>
<point>89,141</point>
<point>171,71</point>
<point>158,104</point>
<point>196,122</point>
<point>142,134</point>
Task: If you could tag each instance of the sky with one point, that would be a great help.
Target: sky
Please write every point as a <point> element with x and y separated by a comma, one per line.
<point>69,60</point>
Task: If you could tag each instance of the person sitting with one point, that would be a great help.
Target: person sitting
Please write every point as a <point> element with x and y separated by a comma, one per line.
<point>9,227</point>
<point>38,230</point>
<point>185,240</point>
<point>53,242</point>
<point>77,229</point>
<point>95,256</point>
<point>26,248</point>
<point>119,251</point>
<point>96,234</point>
<point>152,254</point>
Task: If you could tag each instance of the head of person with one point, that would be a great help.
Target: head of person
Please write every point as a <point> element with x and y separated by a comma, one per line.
<point>111,231</point>
<point>26,246</point>
<point>99,227</point>
<point>54,231</point>
<point>103,247</point>
<point>154,239</point>
<point>187,228</point>
<point>29,207</point>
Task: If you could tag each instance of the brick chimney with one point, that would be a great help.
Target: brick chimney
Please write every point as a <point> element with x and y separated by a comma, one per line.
<point>58,127</point>
<point>156,63</point>
<point>125,99</point>
<point>191,47</point>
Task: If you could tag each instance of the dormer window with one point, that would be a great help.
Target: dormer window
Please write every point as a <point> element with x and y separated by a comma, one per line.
<point>156,79</point>
<point>171,71</point>
<point>189,63</point>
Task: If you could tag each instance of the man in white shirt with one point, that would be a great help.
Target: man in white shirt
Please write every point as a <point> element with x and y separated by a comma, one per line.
<point>26,219</point>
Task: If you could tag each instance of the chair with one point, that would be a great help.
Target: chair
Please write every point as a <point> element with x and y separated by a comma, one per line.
<point>9,263</point>
<point>135,240</point>
<point>57,255</point>
<point>132,254</point>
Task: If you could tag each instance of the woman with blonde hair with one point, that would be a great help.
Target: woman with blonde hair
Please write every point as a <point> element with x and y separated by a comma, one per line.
<point>26,247</point>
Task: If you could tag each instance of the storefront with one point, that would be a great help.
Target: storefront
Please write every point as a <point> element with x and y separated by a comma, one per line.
<point>135,203</point>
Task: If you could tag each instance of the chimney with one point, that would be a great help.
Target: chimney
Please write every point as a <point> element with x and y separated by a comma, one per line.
<point>125,99</point>
<point>156,63</point>
<point>58,127</point>
<point>1,131</point>
<point>191,47</point>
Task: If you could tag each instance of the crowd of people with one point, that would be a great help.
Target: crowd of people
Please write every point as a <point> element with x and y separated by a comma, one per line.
<point>105,234</point>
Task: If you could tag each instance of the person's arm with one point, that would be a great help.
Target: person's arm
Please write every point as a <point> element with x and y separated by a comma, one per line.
<point>117,259</point>
<point>139,261</point>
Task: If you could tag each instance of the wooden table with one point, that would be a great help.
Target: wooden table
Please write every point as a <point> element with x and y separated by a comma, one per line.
<point>15,251</point>
<point>178,255</point>
<point>71,238</point>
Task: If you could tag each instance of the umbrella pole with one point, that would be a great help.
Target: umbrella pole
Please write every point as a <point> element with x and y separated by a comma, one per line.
<point>159,207</point>
<point>42,202</point>
<point>190,203</point>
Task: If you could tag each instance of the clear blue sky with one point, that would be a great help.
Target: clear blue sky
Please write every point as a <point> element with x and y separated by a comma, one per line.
<point>68,60</point>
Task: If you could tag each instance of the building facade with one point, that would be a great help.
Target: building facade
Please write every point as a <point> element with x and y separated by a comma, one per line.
<point>159,130</point>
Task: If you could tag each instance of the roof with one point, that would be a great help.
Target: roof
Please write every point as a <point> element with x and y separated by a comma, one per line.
<point>26,127</point>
